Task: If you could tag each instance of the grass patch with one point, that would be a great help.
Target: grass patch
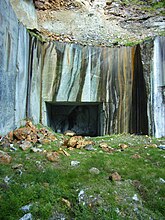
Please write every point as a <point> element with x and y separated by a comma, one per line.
<point>58,190</point>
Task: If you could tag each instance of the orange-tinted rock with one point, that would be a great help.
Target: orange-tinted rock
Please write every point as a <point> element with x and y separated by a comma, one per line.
<point>123,146</point>
<point>21,133</point>
<point>73,141</point>
<point>82,143</point>
<point>136,156</point>
<point>10,136</point>
<point>4,157</point>
<point>52,156</point>
<point>52,137</point>
<point>103,145</point>
<point>45,141</point>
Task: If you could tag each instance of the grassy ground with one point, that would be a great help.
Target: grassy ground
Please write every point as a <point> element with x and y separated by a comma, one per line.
<point>57,190</point>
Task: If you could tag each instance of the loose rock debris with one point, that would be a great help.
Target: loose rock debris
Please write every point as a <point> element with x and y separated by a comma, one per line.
<point>5,158</point>
<point>27,136</point>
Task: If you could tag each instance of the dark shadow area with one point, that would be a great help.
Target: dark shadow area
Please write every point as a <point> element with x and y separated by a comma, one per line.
<point>139,122</point>
<point>82,118</point>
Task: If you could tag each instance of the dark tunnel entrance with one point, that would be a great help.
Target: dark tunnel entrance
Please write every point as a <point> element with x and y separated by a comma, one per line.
<point>82,118</point>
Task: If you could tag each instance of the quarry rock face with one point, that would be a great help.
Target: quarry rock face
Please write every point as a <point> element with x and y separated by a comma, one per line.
<point>88,89</point>
<point>25,12</point>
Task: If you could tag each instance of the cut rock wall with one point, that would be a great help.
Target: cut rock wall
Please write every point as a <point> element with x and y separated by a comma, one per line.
<point>34,73</point>
<point>14,55</point>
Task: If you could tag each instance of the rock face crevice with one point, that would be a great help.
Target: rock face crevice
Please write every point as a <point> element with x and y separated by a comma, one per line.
<point>34,73</point>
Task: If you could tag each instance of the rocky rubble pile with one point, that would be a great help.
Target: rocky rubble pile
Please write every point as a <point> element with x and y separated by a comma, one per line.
<point>26,137</point>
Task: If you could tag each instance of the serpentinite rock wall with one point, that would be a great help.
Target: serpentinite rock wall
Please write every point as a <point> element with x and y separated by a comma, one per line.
<point>14,56</point>
<point>35,74</point>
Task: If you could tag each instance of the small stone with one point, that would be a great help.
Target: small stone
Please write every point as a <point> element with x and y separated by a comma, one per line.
<point>17,166</point>
<point>162,147</point>
<point>82,143</point>
<point>89,147</point>
<point>26,208</point>
<point>27,216</point>
<point>94,170</point>
<point>4,157</point>
<point>52,156</point>
<point>10,135</point>
<point>161,180</point>
<point>74,163</point>
<point>123,146</point>
<point>136,156</point>
<point>135,198</point>
<point>35,149</point>
<point>69,133</point>
<point>28,138</point>
<point>44,141</point>
<point>66,202</point>
<point>66,153</point>
<point>25,145</point>
<point>115,177</point>
<point>52,138</point>
<point>104,145</point>
<point>7,179</point>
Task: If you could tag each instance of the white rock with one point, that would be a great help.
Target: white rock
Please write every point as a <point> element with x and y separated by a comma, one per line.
<point>161,180</point>
<point>94,170</point>
<point>135,198</point>
<point>27,216</point>
<point>26,208</point>
<point>74,163</point>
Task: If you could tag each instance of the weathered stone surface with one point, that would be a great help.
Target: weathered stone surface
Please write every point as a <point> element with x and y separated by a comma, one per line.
<point>99,22</point>
<point>115,177</point>
<point>69,133</point>
<point>25,145</point>
<point>13,66</point>
<point>123,146</point>
<point>89,147</point>
<point>4,157</point>
<point>74,163</point>
<point>136,156</point>
<point>25,12</point>
<point>52,156</point>
<point>94,170</point>
<point>32,76</point>
<point>105,147</point>
<point>22,133</point>
<point>73,141</point>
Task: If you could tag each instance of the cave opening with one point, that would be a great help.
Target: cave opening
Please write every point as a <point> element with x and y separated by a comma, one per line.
<point>83,118</point>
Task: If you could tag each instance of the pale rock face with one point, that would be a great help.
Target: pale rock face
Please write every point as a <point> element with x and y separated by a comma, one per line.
<point>25,12</point>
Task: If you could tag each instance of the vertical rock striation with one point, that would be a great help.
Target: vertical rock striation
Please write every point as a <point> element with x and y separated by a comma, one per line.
<point>158,88</point>
<point>112,76</point>
<point>14,46</point>
<point>120,81</point>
